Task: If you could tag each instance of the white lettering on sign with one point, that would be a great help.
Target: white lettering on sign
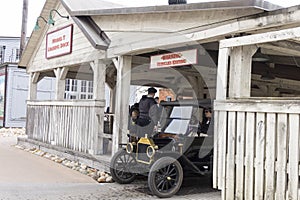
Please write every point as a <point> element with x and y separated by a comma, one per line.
<point>59,42</point>
<point>188,57</point>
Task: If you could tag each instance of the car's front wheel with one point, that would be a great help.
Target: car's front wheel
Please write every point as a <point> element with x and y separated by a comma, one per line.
<point>120,166</point>
<point>165,177</point>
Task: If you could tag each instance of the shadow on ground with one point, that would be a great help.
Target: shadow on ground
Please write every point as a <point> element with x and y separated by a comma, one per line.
<point>190,185</point>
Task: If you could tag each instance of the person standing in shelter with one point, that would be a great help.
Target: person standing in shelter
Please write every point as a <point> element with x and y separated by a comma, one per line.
<point>148,117</point>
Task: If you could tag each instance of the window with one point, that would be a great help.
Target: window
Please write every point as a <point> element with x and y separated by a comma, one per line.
<point>86,90</point>
<point>67,88</point>
<point>2,53</point>
<point>90,89</point>
<point>17,54</point>
<point>74,86</point>
<point>78,89</point>
<point>83,86</point>
<point>168,98</point>
<point>71,89</point>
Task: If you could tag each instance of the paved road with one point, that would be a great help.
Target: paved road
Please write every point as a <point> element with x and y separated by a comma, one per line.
<point>24,176</point>
<point>17,166</point>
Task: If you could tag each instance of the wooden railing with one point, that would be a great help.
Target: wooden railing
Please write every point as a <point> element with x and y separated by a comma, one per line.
<point>256,152</point>
<point>71,124</point>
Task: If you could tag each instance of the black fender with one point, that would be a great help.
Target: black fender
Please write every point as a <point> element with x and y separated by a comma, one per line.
<point>182,159</point>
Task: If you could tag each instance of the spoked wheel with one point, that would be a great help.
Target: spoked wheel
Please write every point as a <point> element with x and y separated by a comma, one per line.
<point>120,166</point>
<point>165,177</point>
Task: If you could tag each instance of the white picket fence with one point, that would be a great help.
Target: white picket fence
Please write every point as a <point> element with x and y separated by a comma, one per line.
<point>69,124</point>
<point>256,154</point>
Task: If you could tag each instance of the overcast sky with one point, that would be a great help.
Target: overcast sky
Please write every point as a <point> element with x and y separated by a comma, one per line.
<point>11,12</point>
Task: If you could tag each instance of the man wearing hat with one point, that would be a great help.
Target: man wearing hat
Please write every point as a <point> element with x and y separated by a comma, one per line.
<point>148,117</point>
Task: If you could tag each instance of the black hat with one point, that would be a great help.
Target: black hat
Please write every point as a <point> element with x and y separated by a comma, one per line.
<point>151,90</point>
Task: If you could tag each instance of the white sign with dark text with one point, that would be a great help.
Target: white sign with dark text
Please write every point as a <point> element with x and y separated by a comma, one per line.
<point>173,59</point>
<point>59,42</point>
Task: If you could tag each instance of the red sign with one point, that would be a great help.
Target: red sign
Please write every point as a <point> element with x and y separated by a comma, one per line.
<point>174,59</point>
<point>59,42</point>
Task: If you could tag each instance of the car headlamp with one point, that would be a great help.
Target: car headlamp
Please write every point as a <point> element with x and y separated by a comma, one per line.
<point>129,148</point>
<point>150,151</point>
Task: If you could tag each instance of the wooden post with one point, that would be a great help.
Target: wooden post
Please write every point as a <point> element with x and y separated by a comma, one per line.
<point>120,127</point>
<point>222,72</point>
<point>98,79</point>
<point>98,68</point>
<point>33,80</point>
<point>112,101</point>
<point>60,84</point>
<point>240,71</point>
<point>220,137</point>
<point>24,26</point>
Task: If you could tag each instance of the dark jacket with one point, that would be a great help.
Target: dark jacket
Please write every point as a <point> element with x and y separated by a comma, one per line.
<point>207,126</point>
<point>148,109</point>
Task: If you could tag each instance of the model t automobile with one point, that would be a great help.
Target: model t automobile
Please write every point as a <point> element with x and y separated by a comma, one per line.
<point>167,156</point>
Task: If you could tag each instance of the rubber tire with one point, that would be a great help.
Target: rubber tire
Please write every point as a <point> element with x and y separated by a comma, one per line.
<point>160,163</point>
<point>113,170</point>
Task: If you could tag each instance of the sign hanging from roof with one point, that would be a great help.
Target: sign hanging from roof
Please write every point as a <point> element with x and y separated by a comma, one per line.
<point>59,42</point>
<point>173,59</point>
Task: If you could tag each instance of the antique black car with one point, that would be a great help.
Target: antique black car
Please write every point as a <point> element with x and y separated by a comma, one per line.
<point>178,149</point>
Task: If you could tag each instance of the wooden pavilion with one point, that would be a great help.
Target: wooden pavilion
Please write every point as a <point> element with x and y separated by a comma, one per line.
<point>256,152</point>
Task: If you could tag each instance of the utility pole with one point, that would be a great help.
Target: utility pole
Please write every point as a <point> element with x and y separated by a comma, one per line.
<point>24,26</point>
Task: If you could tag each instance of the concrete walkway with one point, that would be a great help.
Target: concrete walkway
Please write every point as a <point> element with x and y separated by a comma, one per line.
<point>17,166</point>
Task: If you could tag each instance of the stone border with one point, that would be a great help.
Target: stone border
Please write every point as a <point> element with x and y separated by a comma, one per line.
<point>84,163</point>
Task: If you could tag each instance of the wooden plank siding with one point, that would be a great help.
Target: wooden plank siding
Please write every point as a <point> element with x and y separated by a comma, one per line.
<point>249,156</point>
<point>65,125</point>
<point>262,148</point>
<point>293,162</point>
<point>230,160</point>
<point>82,50</point>
<point>259,156</point>
<point>240,144</point>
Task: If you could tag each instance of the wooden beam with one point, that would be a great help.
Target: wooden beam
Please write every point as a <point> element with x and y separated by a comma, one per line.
<point>278,83</point>
<point>99,75</point>
<point>32,89</point>
<point>221,90</point>
<point>285,60</point>
<point>116,63</point>
<point>240,71</point>
<point>211,32</point>
<point>99,79</point>
<point>280,48</point>
<point>120,127</point>
<point>280,71</point>
<point>35,77</point>
<point>63,73</point>
<point>260,38</point>
<point>57,72</point>
<point>59,84</point>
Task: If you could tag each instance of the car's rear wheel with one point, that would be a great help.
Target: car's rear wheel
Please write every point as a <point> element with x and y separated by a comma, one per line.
<point>165,177</point>
<point>120,166</point>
